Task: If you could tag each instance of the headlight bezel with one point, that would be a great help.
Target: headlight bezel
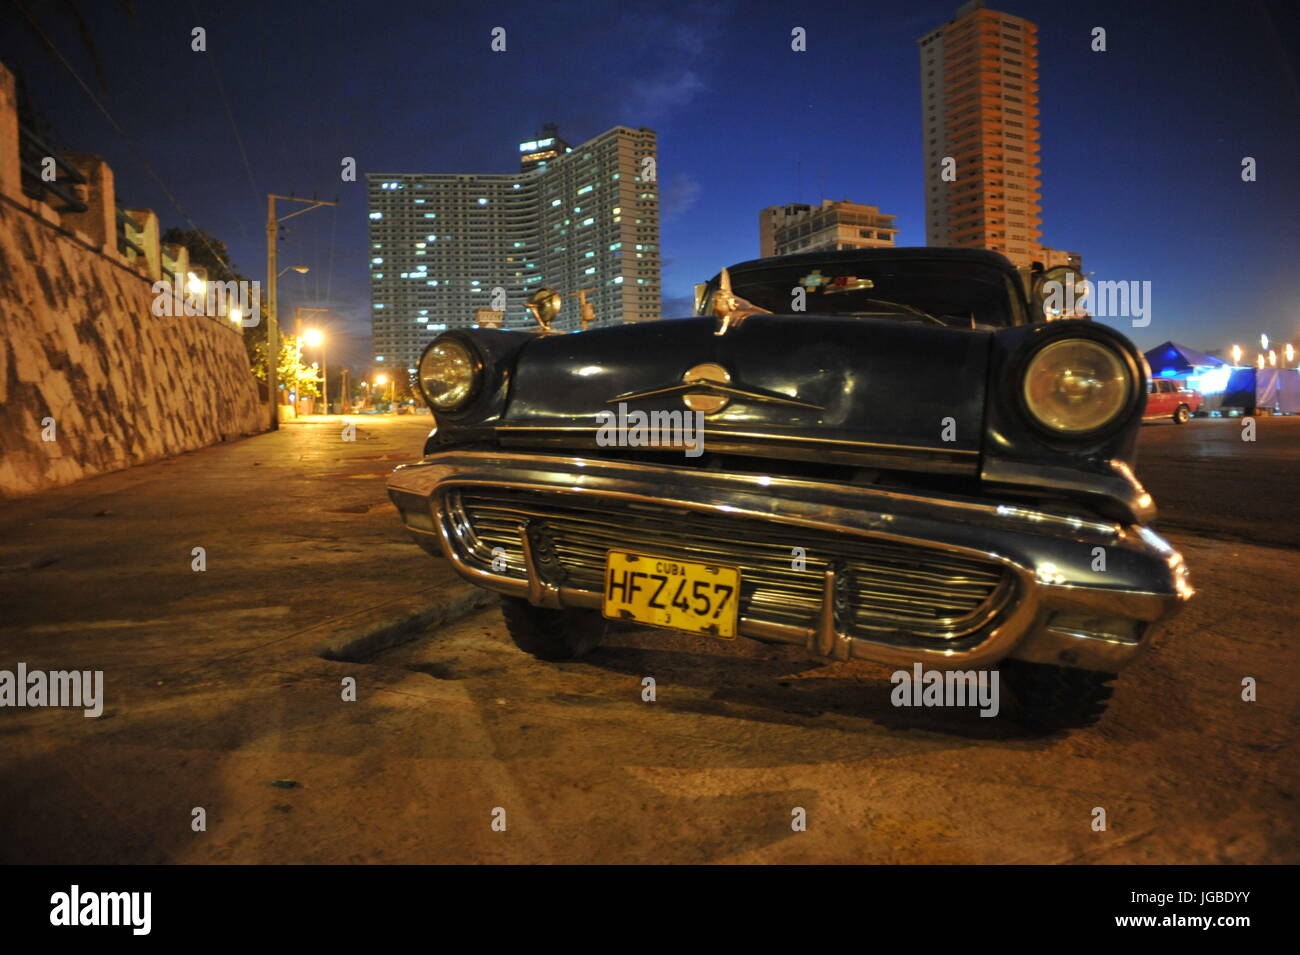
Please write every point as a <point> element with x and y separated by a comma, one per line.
<point>1098,337</point>
<point>478,371</point>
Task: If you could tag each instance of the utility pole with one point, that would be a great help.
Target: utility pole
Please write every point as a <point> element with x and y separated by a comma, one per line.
<point>272,329</point>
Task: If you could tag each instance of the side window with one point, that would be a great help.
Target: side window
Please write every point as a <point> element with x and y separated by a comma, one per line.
<point>1151,387</point>
<point>1169,387</point>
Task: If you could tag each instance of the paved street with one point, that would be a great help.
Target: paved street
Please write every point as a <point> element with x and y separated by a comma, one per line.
<point>219,695</point>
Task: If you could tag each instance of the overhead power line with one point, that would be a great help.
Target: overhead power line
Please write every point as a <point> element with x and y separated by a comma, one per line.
<point>131,144</point>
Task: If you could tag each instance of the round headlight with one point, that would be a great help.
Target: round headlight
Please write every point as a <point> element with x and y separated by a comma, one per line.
<point>448,374</point>
<point>1076,385</point>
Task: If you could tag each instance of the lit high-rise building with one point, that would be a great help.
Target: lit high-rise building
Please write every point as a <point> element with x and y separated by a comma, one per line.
<point>572,218</point>
<point>979,113</point>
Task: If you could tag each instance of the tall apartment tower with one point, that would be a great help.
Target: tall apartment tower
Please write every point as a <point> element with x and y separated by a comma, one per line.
<point>979,109</point>
<point>573,218</point>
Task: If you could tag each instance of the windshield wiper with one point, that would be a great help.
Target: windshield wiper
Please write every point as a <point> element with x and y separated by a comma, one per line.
<point>907,308</point>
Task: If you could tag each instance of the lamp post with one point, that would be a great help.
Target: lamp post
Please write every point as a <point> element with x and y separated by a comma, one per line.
<point>273,334</point>
<point>272,330</point>
<point>316,339</point>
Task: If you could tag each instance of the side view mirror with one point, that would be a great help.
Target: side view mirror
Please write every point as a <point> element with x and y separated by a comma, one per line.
<point>1059,292</point>
<point>545,304</point>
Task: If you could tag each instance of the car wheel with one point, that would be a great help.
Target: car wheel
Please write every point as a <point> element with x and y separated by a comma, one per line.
<point>1182,414</point>
<point>554,635</point>
<point>1050,697</point>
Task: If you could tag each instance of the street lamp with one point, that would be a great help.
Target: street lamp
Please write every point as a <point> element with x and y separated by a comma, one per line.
<point>1236,355</point>
<point>380,381</point>
<point>273,334</point>
<point>272,329</point>
<point>315,338</point>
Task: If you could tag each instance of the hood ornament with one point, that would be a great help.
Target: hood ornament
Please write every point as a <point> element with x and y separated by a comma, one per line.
<point>729,307</point>
<point>707,388</point>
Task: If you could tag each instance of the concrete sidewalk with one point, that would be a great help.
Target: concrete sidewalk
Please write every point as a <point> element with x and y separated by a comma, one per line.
<point>303,552</point>
<point>297,535</point>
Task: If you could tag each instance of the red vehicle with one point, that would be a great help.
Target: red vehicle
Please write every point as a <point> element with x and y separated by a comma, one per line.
<point>1166,397</point>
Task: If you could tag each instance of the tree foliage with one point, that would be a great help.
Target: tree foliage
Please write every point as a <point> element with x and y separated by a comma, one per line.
<point>292,373</point>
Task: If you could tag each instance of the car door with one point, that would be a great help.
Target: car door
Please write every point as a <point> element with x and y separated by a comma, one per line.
<point>1153,398</point>
<point>1160,399</point>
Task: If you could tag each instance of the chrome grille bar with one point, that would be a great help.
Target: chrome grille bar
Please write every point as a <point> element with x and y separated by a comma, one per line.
<point>890,588</point>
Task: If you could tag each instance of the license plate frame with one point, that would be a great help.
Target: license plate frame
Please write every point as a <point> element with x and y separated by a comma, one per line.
<point>672,606</point>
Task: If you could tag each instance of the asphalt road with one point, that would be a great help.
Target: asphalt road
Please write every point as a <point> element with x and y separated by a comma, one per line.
<point>741,735</point>
<point>1208,480</point>
<point>221,700</point>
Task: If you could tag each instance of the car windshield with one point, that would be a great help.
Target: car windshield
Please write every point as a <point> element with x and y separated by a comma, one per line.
<point>959,295</point>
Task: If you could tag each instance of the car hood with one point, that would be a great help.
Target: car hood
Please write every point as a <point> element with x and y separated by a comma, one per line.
<point>871,392</point>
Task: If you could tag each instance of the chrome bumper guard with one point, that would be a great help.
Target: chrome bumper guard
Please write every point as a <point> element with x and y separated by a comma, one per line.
<point>1080,591</point>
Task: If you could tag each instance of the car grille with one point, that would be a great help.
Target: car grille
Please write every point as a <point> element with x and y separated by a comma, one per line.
<point>892,590</point>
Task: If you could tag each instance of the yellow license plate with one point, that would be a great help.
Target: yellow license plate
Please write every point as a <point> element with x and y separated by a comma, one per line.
<point>677,594</point>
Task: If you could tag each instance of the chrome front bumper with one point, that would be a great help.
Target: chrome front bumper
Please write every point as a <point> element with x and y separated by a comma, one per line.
<point>1083,592</point>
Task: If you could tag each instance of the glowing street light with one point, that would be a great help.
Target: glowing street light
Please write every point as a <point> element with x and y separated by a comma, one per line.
<point>236,314</point>
<point>1290,352</point>
<point>1236,354</point>
<point>315,338</point>
<point>1259,362</point>
<point>1263,342</point>
<point>1272,358</point>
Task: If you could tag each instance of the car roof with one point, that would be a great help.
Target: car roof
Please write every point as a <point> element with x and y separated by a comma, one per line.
<point>982,256</point>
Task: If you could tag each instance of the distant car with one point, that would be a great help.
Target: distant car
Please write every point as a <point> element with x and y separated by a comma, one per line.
<point>1167,398</point>
<point>895,457</point>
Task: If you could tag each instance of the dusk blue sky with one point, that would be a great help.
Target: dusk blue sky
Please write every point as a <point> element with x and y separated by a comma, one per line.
<point>1141,145</point>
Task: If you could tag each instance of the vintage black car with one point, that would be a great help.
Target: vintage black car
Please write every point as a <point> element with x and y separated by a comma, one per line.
<point>885,455</point>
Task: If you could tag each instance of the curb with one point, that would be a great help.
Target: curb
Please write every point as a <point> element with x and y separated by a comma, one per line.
<point>397,623</point>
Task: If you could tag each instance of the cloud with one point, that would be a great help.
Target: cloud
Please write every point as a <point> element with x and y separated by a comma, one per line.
<point>650,100</point>
<point>678,195</point>
<point>677,307</point>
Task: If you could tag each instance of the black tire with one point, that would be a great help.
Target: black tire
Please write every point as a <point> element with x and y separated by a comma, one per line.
<point>554,635</point>
<point>1050,698</point>
<point>1182,414</point>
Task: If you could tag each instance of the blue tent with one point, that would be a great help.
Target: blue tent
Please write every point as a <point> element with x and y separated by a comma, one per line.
<point>1171,359</point>
<point>1240,390</point>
